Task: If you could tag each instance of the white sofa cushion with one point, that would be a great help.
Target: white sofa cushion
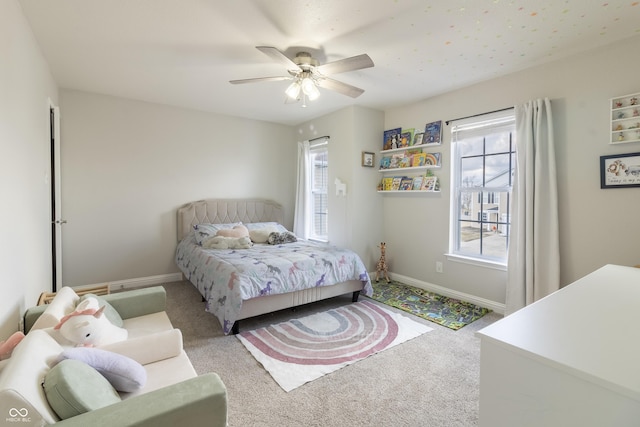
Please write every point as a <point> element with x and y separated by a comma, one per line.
<point>149,348</point>
<point>62,304</point>
<point>20,382</point>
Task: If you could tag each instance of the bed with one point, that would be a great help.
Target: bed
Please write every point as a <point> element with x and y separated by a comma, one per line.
<point>240,283</point>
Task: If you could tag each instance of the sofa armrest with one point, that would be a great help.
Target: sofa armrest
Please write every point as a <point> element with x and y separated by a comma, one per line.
<point>31,315</point>
<point>138,302</point>
<point>198,401</point>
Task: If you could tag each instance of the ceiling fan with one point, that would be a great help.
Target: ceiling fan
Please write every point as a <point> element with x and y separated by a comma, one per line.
<point>308,75</point>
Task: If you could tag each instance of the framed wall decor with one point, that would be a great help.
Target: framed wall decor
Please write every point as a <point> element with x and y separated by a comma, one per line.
<point>620,170</point>
<point>367,159</point>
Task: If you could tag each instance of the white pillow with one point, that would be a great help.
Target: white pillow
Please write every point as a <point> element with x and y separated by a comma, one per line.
<point>260,235</point>
<point>257,225</point>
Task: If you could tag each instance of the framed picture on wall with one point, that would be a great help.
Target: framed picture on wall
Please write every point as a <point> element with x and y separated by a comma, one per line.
<point>620,170</point>
<point>367,159</point>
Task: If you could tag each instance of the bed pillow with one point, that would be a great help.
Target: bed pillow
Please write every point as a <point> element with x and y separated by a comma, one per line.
<point>73,388</point>
<point>260,235</point>
<point>258,225</point>
<point>122,372</point>
<point>204,231</point>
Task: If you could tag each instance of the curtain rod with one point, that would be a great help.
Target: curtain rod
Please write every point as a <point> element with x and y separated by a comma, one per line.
<point>320,137</point>
<point>478,115</point>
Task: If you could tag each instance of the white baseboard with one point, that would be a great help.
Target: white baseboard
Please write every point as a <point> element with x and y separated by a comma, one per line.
<point>161,279</point>
<point>440,290</point>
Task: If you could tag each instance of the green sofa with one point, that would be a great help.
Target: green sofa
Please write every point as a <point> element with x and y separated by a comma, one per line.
<point>173,394</point>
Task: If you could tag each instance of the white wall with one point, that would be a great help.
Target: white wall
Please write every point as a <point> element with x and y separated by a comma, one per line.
<point>355,220</point>
<point>596,226</point>
<point>26,85</point>
<point>128,165</point>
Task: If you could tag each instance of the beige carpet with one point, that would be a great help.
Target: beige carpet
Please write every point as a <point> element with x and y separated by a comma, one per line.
<point>432,380</point>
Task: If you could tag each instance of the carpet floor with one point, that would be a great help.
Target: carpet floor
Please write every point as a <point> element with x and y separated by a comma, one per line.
<point>431,380</point>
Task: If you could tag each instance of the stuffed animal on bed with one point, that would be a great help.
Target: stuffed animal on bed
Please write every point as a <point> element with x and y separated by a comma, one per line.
<point>237,231</point>
<point>277,238</point>
<point>221,242</point>
<point>87,326</point>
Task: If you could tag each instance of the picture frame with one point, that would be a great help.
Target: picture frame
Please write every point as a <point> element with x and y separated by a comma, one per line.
<point>368,159</point>
<point>620,171</point>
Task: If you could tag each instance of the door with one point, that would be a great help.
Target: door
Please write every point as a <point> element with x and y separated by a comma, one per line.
<point>56,211</point>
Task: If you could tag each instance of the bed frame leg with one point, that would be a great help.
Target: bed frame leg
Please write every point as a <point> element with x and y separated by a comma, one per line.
<point>355,296</point>
<point>235,329</point>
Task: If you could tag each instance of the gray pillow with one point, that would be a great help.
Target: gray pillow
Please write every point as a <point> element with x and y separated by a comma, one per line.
<point>73,388</point>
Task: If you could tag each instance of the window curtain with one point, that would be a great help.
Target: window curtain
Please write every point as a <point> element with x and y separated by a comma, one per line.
<point>301,220</point>
<point>534,255</point>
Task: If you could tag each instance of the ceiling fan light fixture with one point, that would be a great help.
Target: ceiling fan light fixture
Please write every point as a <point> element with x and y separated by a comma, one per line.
<point>293,90</point>
<point>310,89</point>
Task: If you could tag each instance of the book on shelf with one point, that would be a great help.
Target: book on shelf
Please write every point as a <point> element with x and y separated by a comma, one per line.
<point>395,160</point>
<point>406,183</point>
<point>406,137</point>
<point>429,183</point>
<point>387,183</point>
<point>419,159</point>
<point>405,162</point>
<point>396,183</point>
<point>385,162</point>
<point>417,182</point>
<point>432,133</point>
<point>432,159</point>
<point>391,138</point>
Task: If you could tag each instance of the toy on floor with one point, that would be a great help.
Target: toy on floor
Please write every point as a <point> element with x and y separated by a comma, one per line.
<point>87,326</point>
<point>382,264</point>
<point>6,347</point>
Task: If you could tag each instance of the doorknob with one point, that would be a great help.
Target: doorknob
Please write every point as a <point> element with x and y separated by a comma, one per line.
<point>60,221</point>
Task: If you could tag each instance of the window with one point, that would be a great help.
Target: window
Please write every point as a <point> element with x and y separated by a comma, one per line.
<point>482,167</point>
<point>319,160</point>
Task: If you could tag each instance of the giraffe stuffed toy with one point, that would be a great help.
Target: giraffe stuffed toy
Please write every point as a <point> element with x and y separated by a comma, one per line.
<point>382,264</point>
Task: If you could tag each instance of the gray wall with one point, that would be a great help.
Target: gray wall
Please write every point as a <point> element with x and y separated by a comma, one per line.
<point>26,86</point>
<point>127,166</point>
<point>597,226</point>
<point>355,220</point>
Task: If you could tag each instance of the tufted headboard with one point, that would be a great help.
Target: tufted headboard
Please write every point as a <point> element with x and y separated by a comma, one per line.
<point>220,211</point>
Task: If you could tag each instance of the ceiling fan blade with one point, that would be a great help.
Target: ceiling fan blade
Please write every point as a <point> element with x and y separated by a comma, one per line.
<point>278,56</point>
<point>260,79</point>
<point>348,64</point>
<point>340,87</point>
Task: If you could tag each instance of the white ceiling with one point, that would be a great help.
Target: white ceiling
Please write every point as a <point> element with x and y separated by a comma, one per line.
<point>184,52</point>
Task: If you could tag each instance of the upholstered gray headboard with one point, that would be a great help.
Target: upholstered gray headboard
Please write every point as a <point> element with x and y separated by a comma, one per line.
<point>220,211</point>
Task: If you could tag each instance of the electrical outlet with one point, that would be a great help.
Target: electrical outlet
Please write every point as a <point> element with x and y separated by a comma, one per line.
<point>438,267</point>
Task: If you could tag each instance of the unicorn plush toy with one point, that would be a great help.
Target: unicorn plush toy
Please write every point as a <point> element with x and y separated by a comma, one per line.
<point>87,326</point>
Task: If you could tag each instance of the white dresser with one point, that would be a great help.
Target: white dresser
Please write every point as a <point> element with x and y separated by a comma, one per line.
<point>570,359</point>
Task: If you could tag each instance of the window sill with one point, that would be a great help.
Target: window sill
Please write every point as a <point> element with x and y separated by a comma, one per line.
<point>496,265</point>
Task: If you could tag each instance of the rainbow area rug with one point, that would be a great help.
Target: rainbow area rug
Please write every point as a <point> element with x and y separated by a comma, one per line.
<point>301,350</point>
<point>449,312</point>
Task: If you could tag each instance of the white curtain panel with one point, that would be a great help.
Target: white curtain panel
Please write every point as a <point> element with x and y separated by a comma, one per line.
<point>301,219</point>
<point>534,255</point>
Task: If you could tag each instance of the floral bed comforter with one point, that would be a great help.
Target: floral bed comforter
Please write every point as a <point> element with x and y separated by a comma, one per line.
<point>226,277</point>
